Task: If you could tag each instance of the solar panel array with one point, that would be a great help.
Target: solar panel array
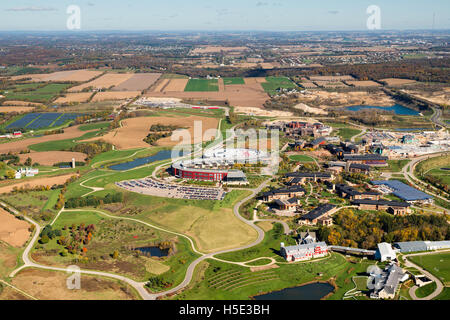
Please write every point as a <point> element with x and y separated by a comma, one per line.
<point>43,120</point>
<point>403,191</point>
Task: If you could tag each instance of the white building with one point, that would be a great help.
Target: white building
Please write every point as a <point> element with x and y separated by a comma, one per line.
<point>305,251</point>
<point>385,252</point>
<point>27,172</point>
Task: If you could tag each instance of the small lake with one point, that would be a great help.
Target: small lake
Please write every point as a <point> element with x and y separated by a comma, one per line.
<point>161,155</point>
<point>154,251</point>
<point>312,291</point>
<point>397,109</point>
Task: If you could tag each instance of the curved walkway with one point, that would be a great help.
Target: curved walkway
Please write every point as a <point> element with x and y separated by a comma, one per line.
<point>439,285</point>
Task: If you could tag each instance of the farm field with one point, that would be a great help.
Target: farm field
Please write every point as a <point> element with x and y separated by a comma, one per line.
<point>51,285</point>
<point>12,230</point>
<point>273,83</point>
<point>7,109</point>
<point>35,182</point>
<point>133,131</point>
<point>106,81</point>
<point>392,82</point>
<point>138,82</point>
<point>235,80</point>
<point>20,145</point>
<point>438,264</point>
<point>363,84</point>
<point>49,158</point>
<point>202,85</point>
<point>36,94</point>
<point>115,95</point>
<point>72,75</point>
<point>249,94</point>
<point>74,97</point>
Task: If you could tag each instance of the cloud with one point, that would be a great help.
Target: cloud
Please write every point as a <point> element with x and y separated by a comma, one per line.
<point>33,9</point>
<point>334,12</point>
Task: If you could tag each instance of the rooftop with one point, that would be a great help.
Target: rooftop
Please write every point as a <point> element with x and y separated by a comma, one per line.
<point>403,191</point>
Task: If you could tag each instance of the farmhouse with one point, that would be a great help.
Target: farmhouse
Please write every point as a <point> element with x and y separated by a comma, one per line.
<point>27,172</point>
<point>305,251</point>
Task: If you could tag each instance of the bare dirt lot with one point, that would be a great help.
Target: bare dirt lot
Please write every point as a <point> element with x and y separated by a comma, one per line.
<point>397,82</point>
<point>20,145</point>
<point>363,84</point>
<point>7,109</point>
<point>104,82</point>
<point>439,97</point>
<point>133,131</point>
<point>115,95</point>
<point>71,75</point>
<point>306,108</point>
<point>51,285</point>
<point>35,182</point>
<point>12,230</point>
<point>49,158</point>
<point>138,82</point>
<point>263,112</point>
<point>74,97</point>
<point>329,99</point>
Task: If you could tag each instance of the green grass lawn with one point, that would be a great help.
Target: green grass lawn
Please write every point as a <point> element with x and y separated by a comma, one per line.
<point>273,83</point>
<point>438,264</point>
<point>426,290</point>
<point>194,85</point>
<point>301,158</point>
<point>93,126</point>
<point>347,133</point>
<point>394,165</point>
<point>233,80</point>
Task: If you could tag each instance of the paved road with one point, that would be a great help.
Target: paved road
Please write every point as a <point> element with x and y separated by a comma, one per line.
<point>408,173</point>
<point>439,285</point>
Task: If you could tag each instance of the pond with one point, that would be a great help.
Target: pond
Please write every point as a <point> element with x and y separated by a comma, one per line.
<point>154,251</point>
<point>312,291</point>
<point>398,109</point>
<point>161,155</point>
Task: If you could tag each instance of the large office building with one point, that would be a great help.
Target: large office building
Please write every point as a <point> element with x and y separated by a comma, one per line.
<point>217,165</point>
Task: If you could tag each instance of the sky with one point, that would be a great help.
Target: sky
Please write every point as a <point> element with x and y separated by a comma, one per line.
<point>223,15</point>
